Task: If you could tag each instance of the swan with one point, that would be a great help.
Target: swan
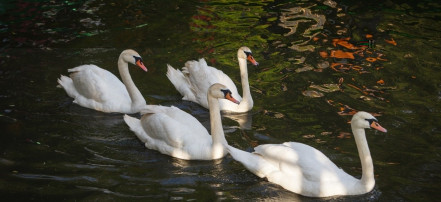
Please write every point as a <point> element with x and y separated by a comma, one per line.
<point>96,88</point>
<point>174,132</point>
<point>196,77</point>
<point>307,171</point>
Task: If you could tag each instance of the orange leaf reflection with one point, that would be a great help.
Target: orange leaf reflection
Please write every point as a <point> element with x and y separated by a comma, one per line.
<point>391,41</point>
<point>323,54</point>
<point>341,54</point>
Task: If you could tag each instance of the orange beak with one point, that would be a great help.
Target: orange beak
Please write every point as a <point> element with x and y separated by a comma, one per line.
<point>377,126</point>
<point>252,60</point>
<point>230,98</point>
<point>141,65</point>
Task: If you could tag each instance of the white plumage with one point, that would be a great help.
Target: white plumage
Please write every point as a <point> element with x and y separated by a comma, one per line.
<point>96,88</point>
<point>196,77</point>
<point>174,132</point>
<point>307,171</point>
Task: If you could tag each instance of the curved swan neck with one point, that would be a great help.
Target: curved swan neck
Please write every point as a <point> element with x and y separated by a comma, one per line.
<point>367,179</point>
<point>135,95</point>
<point>246,93</point>
<point>217,132</point>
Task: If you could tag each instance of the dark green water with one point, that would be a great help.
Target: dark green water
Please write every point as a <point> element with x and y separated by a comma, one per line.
<point>51,149</point>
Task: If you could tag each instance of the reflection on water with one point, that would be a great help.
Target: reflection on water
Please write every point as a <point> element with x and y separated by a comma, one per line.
<point>313,74</point>
<point>291,18</point>
<point>245,120</point>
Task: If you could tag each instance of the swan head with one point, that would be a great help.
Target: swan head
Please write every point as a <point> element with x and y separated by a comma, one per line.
<point>366,120</point>
<point>220,91</point>
<point>132,57</point>
<point>246,54</point>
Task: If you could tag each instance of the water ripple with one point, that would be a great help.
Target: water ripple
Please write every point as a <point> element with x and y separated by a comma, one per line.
<point>291,18</point>
<point>106,191</point>
<point>55,178</point>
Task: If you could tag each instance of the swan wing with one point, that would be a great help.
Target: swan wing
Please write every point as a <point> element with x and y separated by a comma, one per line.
<point>98,89</point>
<point>96,83</point>
<point>202,76</point>
<point>173,132</point>
<point>220,77</point>
<point>302,161</point>
<point>151,137</point>
<point>175,114</point>
<point>317,166</point>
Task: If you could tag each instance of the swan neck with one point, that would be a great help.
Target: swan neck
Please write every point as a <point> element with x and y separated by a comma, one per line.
<point>217,132</point>
<point>246,93</point>
<point>367,179</point>
<point>135,95</point>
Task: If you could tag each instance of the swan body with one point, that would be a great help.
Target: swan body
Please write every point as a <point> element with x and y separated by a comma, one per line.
<point>174,132</point>
<point>307,171</point>
<point>96,88</point>
<point>196,77</point>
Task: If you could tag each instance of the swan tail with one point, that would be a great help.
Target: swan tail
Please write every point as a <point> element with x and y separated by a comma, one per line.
<point>74,70</point>
<point>185,70</point>
<point>195,67</point>
<point>181,83</point>
<point>135,126</point>
<point>66,83</point>
<point>252,161</point>
<point>63,81</point>
<point>60,81</point>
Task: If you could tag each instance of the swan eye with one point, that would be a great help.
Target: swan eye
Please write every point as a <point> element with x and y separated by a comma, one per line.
<point>137,59</point>
<point>371,121</point>
<point>226,92</point>
<point>247,53</point>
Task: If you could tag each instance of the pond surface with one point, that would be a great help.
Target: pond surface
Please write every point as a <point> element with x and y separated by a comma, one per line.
<point>319,62</point>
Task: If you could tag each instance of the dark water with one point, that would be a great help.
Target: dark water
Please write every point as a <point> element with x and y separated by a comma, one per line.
<point>52,149</point>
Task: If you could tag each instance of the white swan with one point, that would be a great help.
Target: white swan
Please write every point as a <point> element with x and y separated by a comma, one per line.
<point>196,77</point>
<point>98,89</point>
<point>304,170</point>
<point>174,132</point>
